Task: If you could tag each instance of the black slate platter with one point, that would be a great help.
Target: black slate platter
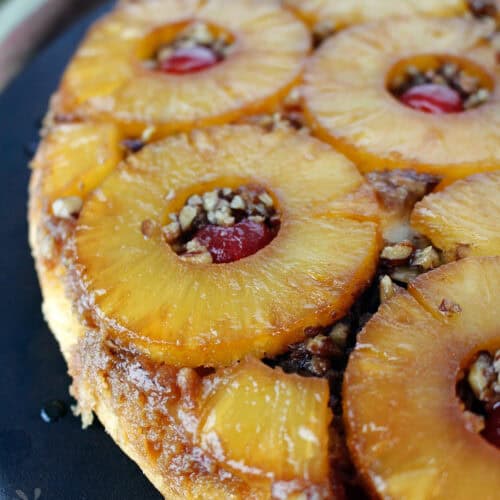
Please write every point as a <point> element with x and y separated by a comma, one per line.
<point>37,459</point>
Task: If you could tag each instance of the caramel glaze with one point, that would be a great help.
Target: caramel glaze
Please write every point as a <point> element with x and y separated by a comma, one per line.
<point>157,406</point>
<point>149,408</point>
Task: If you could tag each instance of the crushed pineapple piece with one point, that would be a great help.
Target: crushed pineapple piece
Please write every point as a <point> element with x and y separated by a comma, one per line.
<point>288,413</point>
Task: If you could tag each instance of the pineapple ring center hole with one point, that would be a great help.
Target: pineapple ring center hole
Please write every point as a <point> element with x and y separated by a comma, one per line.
<point>478,388</point>
<point>439,84</point>
<point>223,224</point>
<point>187,47</point>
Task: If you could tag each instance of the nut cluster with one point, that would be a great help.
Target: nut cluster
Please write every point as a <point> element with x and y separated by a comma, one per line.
<point>196,34</point>
<point>404,261</point>
<point>449,74</point>
<point>323,353</point>
<point>484,377</point>
<point>67,207</point>
<point>401,189</point>
<point>223,207</point>
<point>290,114</point>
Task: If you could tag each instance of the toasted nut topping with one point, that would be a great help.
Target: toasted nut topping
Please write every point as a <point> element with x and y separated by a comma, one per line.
<point>399,251</point>
<point>404,274</point>
<point>223,207</point>
<point>222,204</point>
<point>449,308</point>
<point>187,216</point>
<point>482,375</point>
<point>266,199</point>
<point>450,75</point>
<point>480,97</point>
<point>147,228</point>
<point>197,258</point>
<point>401,189</point>
<point>171,231</point>
<point>67,207</point>
<point>473,422</point>
<point>196,253</point>
<point>195,246</point>
<point>197,34</point>
<point>256,218</point>
<point>386,288</point>
<point>426,258</point>
<point>323,346</point>
<point>210,200</point>
<point>200,33</point>
<point>237,203</point>
<point>339,334</point>
<point>195,200</point>
<point>222,218</point>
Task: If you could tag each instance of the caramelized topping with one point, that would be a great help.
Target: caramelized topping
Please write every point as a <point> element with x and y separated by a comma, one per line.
<point>223,225</point>
<point>194,49</point>
<point>480,392</point>
<point>444,89</point>
<point>401,189</point>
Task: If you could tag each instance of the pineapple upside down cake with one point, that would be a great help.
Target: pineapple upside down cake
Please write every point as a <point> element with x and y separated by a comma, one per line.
<point>270,252</point>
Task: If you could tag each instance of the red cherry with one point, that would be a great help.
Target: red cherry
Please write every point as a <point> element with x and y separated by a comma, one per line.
<point>432,98</point>
<point>491,430</point>
<point>227,244</point>
<point>189,60</point>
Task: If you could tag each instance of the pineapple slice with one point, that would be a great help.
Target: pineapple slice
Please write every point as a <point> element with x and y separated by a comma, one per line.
<point>464,218</point>
<point>338,14</point>
<point>191,314</point>
<point>75,158</point>
<point>110,76</point>
<point>374,128</point>
<point>71,161</point>
<point>264,422</point>
<point>406,426</point>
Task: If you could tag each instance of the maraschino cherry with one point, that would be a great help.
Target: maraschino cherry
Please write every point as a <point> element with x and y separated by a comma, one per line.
<point>433,98</point>
<point>228,244</point>
<point>189,60</point>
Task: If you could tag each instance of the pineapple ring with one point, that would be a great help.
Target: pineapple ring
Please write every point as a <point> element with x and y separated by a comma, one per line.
<point>406,428</point>
<point>294,441</point>
<point>376,130</point>
<point>187,314</point>
<point>339,14</point>
<point>107,76</point>
<point>464,218</point>
<point>71,161</point>
<point>76,157</point>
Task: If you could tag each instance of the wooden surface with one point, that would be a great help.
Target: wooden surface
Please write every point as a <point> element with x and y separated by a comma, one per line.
<point>27,25</point>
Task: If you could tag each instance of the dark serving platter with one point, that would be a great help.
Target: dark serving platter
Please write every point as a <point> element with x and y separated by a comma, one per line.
<point>37,459</point>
